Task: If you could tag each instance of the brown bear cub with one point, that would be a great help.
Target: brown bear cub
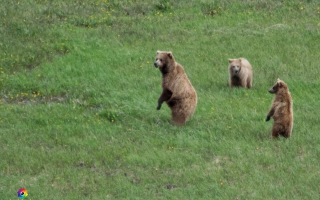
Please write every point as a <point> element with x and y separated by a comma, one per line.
<point>281,110</point>
<point>177,90</point>
<point>240,73</point>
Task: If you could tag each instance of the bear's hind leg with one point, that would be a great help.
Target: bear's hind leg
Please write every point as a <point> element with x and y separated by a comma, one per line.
<point>275,132</point>
<point>244,82</point>
<point>179,118</point>
<point>249,82</point>
<point>285,134</point>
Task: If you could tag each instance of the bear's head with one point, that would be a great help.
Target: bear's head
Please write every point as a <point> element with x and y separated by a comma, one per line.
<point>278,87</point>
<point>165,61</point>
<point>234,66</point>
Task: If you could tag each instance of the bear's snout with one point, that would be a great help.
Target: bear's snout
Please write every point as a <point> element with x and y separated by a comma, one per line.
<point>271,91</point>
<point>155,64</point>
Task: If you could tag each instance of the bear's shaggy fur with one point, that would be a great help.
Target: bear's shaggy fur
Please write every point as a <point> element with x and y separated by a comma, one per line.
<point>240,73</point>
<point>281,110</point>
<point>177,90</point>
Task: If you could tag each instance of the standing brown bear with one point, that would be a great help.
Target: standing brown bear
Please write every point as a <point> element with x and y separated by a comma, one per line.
<point>281,110</point>
<point>177,90</point>
<point>240,73</point>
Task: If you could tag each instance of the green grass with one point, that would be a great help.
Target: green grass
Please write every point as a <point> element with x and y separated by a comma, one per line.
<point>79,93</point>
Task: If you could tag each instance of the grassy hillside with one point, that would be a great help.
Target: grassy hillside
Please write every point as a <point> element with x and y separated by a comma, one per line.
<point>78,97</point>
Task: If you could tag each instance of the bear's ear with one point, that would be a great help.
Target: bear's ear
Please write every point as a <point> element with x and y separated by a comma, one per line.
<point>170,54</point>
<point>279,83</point>
<point>158,52</point>
<point>230,60</point>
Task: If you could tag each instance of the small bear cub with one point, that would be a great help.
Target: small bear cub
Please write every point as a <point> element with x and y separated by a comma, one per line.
<point>281,110</point>
<point>240,73</point>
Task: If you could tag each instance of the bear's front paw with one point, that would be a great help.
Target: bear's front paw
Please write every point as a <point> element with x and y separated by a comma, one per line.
<point>158,107</point>
<point>268,118</point>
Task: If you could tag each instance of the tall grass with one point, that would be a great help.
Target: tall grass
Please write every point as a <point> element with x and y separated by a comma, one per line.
<point>79,94</point>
